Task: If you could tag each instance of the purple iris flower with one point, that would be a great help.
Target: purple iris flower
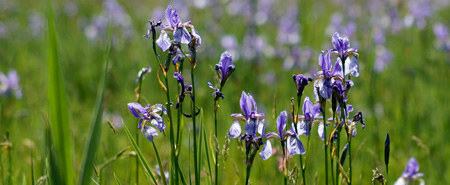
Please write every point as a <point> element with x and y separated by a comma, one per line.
<point>301,81</point>
<point>341,89</point>
<point>440,31</point>
<point>254,124</point>
<point>179,29</point>
<point>326,77</point>
<point>345,53</point>
<point>148,114</point>
<point>10,84</point>
<point>281,125</point>
<point>225,67</point>
<point>253,120</point>
<point>310,112</point>
<point>410,173</point>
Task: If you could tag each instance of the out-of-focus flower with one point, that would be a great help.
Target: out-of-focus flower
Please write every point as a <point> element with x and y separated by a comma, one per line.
<point>288,27</point>
<point>10,84</point>
<point>166,173</point>
<point>440,31</point>
<point>383,58</point>
<point>148,114</point>
<point>410,174</point>
<point>142,72</point>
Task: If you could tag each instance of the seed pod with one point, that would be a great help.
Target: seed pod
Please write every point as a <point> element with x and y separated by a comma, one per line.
<point>387,149</point>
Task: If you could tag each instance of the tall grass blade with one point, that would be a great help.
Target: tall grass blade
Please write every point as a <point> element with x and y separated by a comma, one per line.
<point>59,114</point>
<point>96,122</point>
<point>117,179</point>
<point>139,153</point>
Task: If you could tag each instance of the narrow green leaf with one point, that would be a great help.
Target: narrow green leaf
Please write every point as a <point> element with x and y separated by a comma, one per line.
<point>96,123</point>
<point>59,113</point>
<point>117,179</point>
<point>139,153</point>
<point>207,154</point>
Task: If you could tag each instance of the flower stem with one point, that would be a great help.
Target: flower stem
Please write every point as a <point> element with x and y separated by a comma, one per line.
<point>138,130</point>
<point>338,148</point>
<point>325,142</point>
<point>302,168</point>
<point>285,164</point>
<point>216,107</point>
<point>350,157</point>
<point>249,166</point>
<point>197,174</point>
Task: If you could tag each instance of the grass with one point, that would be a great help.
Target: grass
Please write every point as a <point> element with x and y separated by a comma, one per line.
<point>61,69</point>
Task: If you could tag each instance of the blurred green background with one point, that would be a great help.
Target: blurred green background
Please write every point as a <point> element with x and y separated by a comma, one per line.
<point>404,62</point>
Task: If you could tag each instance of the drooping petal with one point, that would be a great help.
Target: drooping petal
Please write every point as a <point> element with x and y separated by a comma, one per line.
<point>337,69</point>
<point>163,41</point>
<point>303,127</point>
<point>400,181</point>
<point>135,106</point>
<point>196,35</point>
<point>281,123</point>
<point>159,107</point>
<point>251,127</point>
<point>324,85</point>
<point>320,131</point>
<point>261,127</point>
<point>295,146</point>
<point>157,121</point>
<point>266,151</point>
<point>181,35</point>
<point>235,130</point>
<point>149,132</point>
<point>351,66</point>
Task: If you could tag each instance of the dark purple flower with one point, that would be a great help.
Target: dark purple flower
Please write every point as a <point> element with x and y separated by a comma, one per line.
<point>148,114</point>
<point>179,29</point>
<point>301,81</point>
<point>410,174</point>
<point>326,77</point>
<point>10,84</point>
<point>185,89</point>
<point>225,67</point>
<point>217,92</point>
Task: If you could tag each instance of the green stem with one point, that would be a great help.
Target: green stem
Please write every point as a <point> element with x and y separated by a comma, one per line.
<point>325,142</point>
<point>350,157</point>
<point>249,166</point>
<point>302,168</point>
<point>217,151</point>
<point>161,169</point>
<point>338,148</point>
<point>197,174</point>
<point>171,132</point>
<point>284,164</point>
<point>137,132</point>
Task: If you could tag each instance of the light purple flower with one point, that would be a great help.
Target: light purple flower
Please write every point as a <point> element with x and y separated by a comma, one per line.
<point>411,173</point>
<point>254,124</point>
<point>440,31</point>
<point>148,114</point>
<point>326,77</point>
<point>179,29</point>
<point>10,84</point>
<point>342,47</point>
<point>225,67</point>
<point>158,172</point>
<point>253,119</point>
<point>310,113</point>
